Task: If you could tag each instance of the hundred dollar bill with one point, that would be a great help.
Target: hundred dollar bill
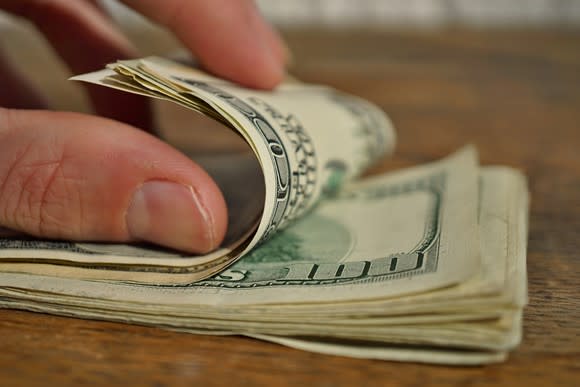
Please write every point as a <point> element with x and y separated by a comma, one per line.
<point>306,140</point>
<point>368,273</point>
<point>396,226</point>
<point>426,264</point>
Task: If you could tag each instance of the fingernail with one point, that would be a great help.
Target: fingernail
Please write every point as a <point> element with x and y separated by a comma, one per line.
<point>170,215</point>
<point>279,47</point>
<point>273,59</point>
<point>273,50</point>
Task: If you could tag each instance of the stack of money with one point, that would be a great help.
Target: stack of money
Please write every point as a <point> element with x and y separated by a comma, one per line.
<point>426,264</point>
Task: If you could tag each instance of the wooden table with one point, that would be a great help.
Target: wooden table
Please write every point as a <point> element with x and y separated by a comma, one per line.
<point>515,94</point>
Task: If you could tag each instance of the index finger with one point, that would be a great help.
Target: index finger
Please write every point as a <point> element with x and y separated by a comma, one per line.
<point>228,37</point>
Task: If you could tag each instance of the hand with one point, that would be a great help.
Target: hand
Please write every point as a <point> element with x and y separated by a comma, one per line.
<point>81,177</point>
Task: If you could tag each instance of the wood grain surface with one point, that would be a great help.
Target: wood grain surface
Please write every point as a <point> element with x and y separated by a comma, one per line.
<point>515,94</point>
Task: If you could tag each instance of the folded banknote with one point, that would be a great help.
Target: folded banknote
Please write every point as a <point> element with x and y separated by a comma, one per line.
<point>426,264</point>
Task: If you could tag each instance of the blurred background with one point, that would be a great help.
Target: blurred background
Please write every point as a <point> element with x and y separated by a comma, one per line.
<point>408,13</point>
<point>421,13</point>
<point>28,50</point>
<point>411,13</point>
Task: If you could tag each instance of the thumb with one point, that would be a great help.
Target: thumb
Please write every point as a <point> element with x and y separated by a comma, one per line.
<point>79,177</point>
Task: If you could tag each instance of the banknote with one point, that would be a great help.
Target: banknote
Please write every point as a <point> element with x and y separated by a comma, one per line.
<point>425,264</point>
<point>324,285</point>
<point>306,141</point>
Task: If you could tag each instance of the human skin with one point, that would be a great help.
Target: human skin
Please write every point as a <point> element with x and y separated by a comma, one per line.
<point>103,177</point>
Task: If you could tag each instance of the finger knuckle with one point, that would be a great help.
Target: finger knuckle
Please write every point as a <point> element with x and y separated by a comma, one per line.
<point>37,195</point>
